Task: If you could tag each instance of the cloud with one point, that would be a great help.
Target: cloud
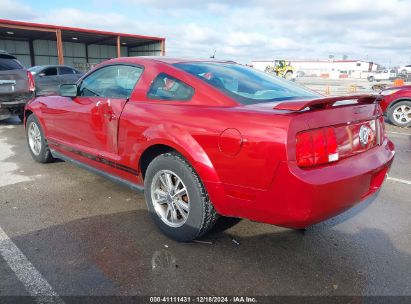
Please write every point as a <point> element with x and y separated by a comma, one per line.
<point>15,10</point>
<point>247,29</point>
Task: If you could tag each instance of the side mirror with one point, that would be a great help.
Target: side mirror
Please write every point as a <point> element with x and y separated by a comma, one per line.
<point>68,90</point>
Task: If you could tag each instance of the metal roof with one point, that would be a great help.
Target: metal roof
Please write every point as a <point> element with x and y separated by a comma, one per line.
<point>24,30</point>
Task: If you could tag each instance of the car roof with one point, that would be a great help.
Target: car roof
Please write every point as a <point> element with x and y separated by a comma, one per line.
<point>51,66</point>
<point>167,60</point>
<point>4,54</point>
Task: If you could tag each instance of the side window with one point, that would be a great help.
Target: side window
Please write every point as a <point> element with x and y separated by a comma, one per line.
<point>66,70</point>
<point>50,72</point>
<point>116,81</point>
<point>166,87</point>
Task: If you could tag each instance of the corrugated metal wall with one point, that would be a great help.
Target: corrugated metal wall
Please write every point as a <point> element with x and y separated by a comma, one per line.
<point>152,49</point>
<point>20,49</point>
<point>45,52</point>
<point>74,53</point>
<point>98,53</point>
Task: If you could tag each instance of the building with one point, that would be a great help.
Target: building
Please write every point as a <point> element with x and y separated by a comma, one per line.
<point>40,44</point>
<point>325,68</point>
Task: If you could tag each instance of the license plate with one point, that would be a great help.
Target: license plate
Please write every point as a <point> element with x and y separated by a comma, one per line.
<point>6,88</point>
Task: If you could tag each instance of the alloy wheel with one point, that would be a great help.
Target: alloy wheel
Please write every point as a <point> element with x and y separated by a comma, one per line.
<point>170,198</point>
<point>34,136</point>
<point>402,114</point>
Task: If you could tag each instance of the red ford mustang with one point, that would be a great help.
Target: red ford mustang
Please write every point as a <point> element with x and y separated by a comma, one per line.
<point>215,138</point>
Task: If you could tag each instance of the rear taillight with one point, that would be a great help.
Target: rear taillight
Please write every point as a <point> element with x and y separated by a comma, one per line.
<point>32,87</point>
<point>316,147</point>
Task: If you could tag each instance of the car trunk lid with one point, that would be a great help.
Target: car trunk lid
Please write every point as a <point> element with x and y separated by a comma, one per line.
<point>329,129</point>
<point>14,82</point>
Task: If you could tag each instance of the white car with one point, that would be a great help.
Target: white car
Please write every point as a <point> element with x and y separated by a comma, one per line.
<point>405,69</point>
<point>382,75</point>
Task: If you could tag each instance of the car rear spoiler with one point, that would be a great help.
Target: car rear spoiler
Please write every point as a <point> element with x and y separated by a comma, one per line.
<point>325,103</point>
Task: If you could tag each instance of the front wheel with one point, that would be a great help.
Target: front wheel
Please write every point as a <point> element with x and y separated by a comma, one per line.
<point>176,198</point>
<point>36,141</point>
<point>400,113</point>
<point>288,75</point>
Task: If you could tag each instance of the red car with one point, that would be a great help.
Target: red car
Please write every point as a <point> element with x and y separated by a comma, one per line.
<point>396,103</point>
<point>204,139</point>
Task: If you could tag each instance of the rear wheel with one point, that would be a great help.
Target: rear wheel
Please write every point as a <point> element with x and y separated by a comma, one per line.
<point>176,198</point>
<point>36,141</point>
<point>400,113</point>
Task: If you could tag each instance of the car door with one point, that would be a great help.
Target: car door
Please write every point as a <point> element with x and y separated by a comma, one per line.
<point>47,81</point>
<point>88,123</point>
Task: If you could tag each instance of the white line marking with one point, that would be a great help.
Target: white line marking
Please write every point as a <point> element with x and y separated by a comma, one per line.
<point>400,133</point>
<point>33,281</point>
<point>404,181</point>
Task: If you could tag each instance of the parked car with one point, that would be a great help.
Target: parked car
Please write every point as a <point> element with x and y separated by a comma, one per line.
<point>405,69</point>
<point>16,86</point>
<point>382,75</point>
<point>204,139</point>
<point>396,103</point>
<point>48,78</point>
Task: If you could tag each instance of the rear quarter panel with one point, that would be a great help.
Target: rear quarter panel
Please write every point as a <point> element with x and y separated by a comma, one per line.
<point>195,131</point>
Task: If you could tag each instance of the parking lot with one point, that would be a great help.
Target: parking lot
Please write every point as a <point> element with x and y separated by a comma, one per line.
<point>76,234</point>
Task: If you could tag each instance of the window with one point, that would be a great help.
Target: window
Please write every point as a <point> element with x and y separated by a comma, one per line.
<point>7,64</point>
<point>166,87</point>
<point>50,72</point>
<point>115,81</point>
<point>66,70</point>
<point>244,84</point>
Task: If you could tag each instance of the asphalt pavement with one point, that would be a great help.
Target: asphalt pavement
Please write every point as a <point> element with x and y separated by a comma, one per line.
<point>65,231</point>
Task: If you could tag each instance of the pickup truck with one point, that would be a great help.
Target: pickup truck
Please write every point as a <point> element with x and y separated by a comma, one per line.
<point>382,75</point>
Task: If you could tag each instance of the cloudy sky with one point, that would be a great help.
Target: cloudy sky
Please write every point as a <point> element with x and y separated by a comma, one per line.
<point>243,30</point>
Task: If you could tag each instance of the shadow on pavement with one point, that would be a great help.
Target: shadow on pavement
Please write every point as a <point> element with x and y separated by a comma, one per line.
<point>124,253</point>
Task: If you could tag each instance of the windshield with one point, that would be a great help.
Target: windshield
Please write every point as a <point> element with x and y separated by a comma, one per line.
<point>244,84</point>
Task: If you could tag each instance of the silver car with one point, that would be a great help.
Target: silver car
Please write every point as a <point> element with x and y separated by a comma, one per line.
<point>48,78</point>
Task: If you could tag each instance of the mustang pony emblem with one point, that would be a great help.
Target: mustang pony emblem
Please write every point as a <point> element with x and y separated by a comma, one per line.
<point>364,135</point>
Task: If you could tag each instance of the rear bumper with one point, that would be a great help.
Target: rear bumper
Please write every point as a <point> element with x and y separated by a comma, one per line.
<point>13,104</point>
<point>299,197</point>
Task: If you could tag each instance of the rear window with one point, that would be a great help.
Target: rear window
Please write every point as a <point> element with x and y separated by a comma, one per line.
<point>244,84</point>
<point>9,64</point>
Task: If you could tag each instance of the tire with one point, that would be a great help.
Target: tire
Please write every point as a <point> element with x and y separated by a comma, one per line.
<point>288,75</point>
<point>184,224</point>
<point>400,113</point>
<point>371,79</point>
<point>36,141</point>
